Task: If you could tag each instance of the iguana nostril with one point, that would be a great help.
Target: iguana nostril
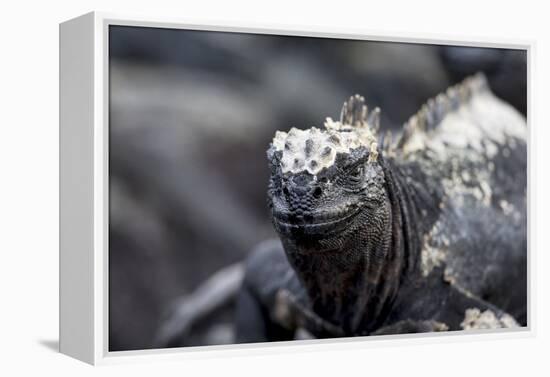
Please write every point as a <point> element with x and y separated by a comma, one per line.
<point>286,192</point>
<point>317,192</point>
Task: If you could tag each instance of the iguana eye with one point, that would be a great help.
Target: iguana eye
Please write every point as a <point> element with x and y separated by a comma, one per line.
<point>357,173</point>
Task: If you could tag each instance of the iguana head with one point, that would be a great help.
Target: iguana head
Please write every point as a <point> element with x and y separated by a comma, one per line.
<point>326,183</point>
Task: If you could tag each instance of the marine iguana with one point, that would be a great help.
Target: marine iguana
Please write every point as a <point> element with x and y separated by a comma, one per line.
<point>382,235</point>
<point>378,236</point>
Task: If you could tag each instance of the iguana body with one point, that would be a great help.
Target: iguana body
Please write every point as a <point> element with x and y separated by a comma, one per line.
<point>425,233</point>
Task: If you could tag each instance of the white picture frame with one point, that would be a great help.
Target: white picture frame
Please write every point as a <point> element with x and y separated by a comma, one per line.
<point>84,196</point>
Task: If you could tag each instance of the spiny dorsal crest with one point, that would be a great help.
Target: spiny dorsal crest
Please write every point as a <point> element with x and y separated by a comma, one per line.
<point>355,113</point>
<point>432,112</point>
<point>314,149</point>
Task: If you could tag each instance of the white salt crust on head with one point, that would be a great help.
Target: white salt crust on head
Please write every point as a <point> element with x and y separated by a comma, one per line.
<point>314,149</point>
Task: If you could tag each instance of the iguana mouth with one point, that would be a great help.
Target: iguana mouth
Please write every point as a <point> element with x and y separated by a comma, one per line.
<point>313,224</point>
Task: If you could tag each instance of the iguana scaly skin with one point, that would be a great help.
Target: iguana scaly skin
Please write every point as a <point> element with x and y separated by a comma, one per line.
<point>377,236</point>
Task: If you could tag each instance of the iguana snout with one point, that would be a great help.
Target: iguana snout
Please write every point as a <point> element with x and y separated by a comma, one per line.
<point>306,206</point>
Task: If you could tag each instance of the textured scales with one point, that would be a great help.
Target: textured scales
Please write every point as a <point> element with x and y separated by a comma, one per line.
<point>424,233</point>
<point>313,150</point>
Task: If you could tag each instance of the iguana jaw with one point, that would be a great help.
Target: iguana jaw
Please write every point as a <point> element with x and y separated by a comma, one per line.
<point>316,225</point>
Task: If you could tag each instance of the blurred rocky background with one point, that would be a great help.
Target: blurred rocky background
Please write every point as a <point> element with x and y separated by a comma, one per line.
<point>191,116</point>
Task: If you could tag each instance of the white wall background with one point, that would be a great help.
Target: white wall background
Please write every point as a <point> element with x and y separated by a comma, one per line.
<point>29,185</point>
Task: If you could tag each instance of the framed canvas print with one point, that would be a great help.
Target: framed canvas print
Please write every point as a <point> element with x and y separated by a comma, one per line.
<point>229,189</point>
